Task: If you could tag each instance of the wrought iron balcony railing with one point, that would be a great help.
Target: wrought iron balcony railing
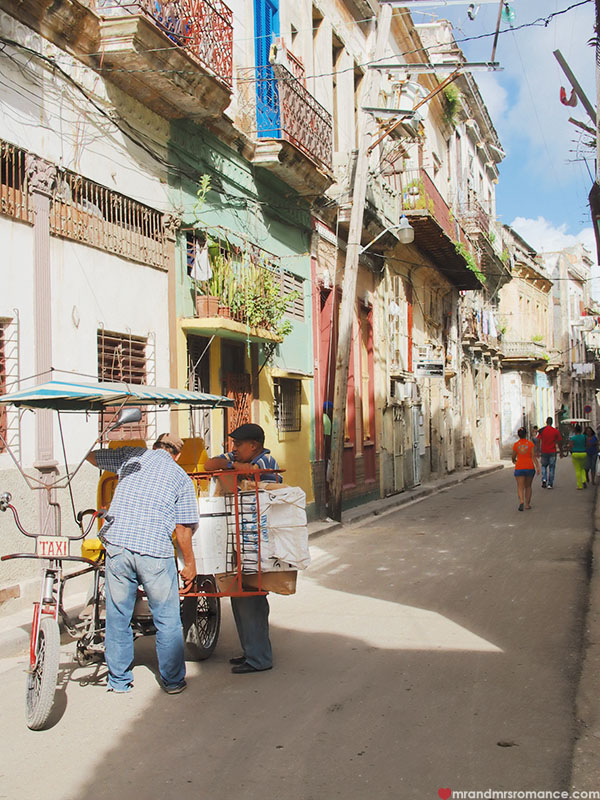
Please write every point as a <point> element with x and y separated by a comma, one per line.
<point>285,109</point>
<point>248,285</point>
<point>475,216</point>
<point>420,192</point>
<point>203,28</point>
<point>88,212</point>
<point>14,195</point>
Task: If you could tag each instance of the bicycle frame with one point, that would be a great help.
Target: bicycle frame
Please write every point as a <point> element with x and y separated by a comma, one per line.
<point>53,580</point>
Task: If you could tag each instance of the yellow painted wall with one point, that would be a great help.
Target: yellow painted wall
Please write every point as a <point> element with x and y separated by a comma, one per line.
<point>290,449</point>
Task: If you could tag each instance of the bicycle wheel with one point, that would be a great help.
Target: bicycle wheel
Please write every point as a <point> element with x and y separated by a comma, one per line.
<point>201,618</point>
<point>41,681</point>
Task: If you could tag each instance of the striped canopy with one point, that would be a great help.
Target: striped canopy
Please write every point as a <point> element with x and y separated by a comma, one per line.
<point>66,396</point>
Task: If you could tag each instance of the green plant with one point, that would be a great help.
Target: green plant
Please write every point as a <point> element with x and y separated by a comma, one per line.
<point>453,104</point>
<point>414,194</point>
<point>505,257</point>
<point>537,338</point>
<point>470,261</point>
<point>202,191</point>
<point>492,237</point>
<point>263,302</point>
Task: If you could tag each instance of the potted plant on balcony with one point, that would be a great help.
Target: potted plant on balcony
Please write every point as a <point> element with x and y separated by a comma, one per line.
<point>265,304</point>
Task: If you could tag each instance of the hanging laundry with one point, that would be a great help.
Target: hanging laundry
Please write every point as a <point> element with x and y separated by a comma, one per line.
<point>572,101</point>
<point>201,268</point>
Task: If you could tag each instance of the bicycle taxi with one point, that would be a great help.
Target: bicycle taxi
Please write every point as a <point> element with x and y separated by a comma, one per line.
<point>236,516</point>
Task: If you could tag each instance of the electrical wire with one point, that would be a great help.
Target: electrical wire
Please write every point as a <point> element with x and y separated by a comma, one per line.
<point>539,22</point>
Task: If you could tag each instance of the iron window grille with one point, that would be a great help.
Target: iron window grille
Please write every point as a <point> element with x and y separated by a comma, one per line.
<point>288,404</point>
<point>122,359</point>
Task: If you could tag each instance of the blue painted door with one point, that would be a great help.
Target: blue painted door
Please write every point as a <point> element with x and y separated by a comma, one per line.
<point>266,28</point>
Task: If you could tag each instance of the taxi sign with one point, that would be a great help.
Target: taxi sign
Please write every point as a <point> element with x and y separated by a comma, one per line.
<point>52,546</point>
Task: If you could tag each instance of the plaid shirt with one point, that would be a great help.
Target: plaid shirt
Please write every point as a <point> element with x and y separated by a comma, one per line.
<point>264,460</point>
<point>153,496</point>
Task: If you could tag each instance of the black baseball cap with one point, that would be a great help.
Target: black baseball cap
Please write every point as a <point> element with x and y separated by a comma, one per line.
<point>249,432</point>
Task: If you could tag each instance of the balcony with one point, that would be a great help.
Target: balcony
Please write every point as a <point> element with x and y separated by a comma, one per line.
<point>246,294</point>
<point>293,131</point>
<point>174,56</point>
<point>526,353</point>
<point>482,229</point>
<point>437,233</point>
<point>382,199</point>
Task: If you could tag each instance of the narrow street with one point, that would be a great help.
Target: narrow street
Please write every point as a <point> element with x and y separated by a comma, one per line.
<point>434,646</point>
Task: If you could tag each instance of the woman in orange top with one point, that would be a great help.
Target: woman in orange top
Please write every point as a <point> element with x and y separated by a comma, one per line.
<point>526,466</point>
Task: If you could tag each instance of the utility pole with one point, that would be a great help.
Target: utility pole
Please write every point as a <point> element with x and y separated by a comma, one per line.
<point>351,270</point>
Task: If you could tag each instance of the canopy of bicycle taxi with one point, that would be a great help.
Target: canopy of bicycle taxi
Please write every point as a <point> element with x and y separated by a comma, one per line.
<point>67,396</point>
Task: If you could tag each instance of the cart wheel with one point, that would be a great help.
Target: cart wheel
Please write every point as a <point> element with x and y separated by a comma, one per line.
<point>201,618</point>
<point>41,681</point>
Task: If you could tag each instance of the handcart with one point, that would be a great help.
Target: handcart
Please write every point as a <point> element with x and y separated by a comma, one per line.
<point>200,606</point>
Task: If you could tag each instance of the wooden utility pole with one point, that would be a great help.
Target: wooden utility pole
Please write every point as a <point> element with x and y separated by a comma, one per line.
<point>351,269</point>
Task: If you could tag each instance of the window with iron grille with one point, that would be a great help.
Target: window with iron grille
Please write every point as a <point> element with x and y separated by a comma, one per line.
<point>3,430</point>
<point>122,358</point>
<point>287,404</point>
<point>294,284</point>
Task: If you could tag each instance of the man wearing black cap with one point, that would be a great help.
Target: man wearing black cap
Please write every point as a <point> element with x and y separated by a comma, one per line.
<point>251,613</point>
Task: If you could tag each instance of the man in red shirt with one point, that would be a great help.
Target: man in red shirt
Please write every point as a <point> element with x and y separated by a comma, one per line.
<point>550,439</point>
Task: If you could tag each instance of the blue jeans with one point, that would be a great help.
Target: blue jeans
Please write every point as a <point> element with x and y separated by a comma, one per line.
<point>251,615</point>
<point>125,570</point>
<point>548,461</point>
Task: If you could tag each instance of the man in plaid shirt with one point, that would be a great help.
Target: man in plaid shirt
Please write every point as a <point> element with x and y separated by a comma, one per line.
<point>153,498</point>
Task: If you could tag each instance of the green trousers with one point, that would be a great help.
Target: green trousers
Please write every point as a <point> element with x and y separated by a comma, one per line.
<point>579,461</point>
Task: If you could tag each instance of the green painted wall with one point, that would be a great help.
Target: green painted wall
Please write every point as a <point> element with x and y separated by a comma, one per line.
<point>248,201</point>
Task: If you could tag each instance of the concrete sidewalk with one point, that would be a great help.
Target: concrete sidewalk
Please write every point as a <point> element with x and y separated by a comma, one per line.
<point>585,775</point>
<point>15,628</point>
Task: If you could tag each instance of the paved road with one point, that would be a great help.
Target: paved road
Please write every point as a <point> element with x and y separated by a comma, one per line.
<point>436,646</point>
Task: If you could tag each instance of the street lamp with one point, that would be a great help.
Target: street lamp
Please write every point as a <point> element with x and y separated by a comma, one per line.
<point>404,230</point>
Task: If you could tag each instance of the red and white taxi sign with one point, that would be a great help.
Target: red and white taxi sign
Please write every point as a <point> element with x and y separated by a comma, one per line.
<point>52,546</point>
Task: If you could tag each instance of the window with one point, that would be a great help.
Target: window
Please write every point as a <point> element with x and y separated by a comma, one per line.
<point>122,358</point>
<point>3,426</point>
<point>287,404</point>
<point>398,326</point>
<point>337,52</point>
<point>293,284</point>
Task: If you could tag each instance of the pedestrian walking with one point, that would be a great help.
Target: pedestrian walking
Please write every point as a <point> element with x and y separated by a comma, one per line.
<point>549,440</point>
<point>526,466</point>
<point>591,450</point>
<point>577,445</point>
<point>153,498</point>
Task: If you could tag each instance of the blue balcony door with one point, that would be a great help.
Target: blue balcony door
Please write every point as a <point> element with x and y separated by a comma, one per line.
<point>266,28</point>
